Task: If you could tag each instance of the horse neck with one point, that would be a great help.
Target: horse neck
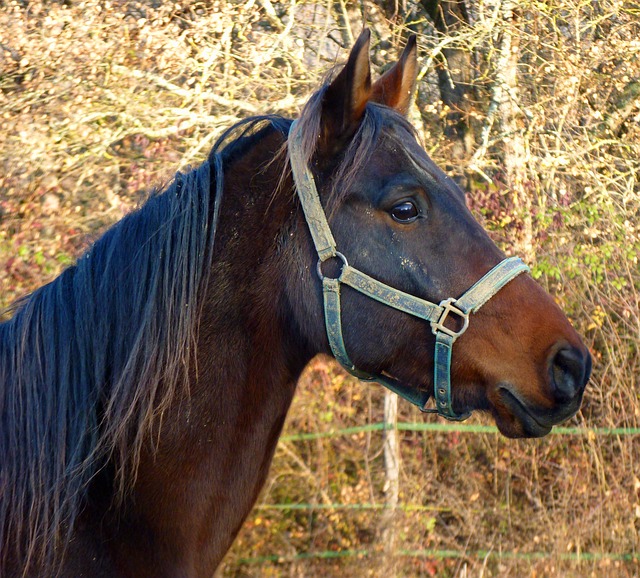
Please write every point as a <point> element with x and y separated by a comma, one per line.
<point>215,443</point>
<point>254,260</point>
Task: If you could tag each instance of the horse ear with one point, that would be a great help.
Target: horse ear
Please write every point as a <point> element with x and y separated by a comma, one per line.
<point>395,87</point>
<point>346,97</point>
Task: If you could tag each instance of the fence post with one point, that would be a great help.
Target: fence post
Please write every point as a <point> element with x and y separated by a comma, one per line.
<point>391,486</point>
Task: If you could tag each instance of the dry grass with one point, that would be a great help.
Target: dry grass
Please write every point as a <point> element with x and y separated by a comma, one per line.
<point>100,101</point>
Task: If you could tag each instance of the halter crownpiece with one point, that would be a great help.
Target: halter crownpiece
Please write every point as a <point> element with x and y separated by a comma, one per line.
<point>436,315</point>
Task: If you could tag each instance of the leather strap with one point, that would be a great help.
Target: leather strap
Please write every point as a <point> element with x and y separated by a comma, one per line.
<point>313,212</point>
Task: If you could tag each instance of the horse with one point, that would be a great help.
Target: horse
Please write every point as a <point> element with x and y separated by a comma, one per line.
<point>143,391</point>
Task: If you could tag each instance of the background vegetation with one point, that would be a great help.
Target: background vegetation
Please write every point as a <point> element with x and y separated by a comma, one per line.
<point>533,107</point>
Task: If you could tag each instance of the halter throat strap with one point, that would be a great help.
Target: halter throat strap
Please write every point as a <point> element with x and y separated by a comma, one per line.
<point>436,315</point>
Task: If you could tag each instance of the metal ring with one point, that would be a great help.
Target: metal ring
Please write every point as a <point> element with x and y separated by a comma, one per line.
<point>340,256</point>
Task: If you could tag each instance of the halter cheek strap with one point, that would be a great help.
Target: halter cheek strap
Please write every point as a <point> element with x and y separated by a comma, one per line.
<point>436,315</point>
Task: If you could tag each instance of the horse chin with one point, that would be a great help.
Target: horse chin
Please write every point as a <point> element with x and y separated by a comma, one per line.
<point>516,419</point>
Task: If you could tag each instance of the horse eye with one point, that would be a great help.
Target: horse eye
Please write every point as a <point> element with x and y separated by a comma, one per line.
<point>405,212</point>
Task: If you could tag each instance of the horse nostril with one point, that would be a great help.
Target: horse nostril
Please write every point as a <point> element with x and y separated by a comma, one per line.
<point>570,371</point>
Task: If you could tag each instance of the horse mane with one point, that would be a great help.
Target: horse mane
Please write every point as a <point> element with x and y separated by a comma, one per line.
<point>90,361</point>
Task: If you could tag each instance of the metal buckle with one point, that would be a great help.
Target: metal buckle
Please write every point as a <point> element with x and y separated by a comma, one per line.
<point>448,306</point>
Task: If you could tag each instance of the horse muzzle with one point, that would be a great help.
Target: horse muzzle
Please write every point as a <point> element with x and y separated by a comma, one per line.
<point>568,372</point>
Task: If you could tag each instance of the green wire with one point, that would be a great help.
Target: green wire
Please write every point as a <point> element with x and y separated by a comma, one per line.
<point>449,554</point>
<point>454,427</point>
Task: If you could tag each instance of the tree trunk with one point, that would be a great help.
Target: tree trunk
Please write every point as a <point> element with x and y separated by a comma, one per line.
<point>454,68</point>
<point>512,121</point>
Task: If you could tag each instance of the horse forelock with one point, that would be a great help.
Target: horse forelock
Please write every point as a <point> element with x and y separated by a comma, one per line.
<point>377,119</point>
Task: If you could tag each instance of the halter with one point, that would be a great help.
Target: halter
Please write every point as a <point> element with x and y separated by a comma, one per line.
<point>436,315</point>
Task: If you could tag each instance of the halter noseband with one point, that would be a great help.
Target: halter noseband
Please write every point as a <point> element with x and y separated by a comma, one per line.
<point>462,307</point>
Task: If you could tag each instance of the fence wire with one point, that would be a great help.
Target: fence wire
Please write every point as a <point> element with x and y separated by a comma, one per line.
<point>433,553</point>
<point>454,427</point>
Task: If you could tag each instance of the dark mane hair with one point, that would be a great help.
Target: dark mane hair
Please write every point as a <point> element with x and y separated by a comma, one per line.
<point>91,360</point>
<point>88,361</point>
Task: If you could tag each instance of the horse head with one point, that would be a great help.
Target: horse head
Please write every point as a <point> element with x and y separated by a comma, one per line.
<point>398,236</point>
